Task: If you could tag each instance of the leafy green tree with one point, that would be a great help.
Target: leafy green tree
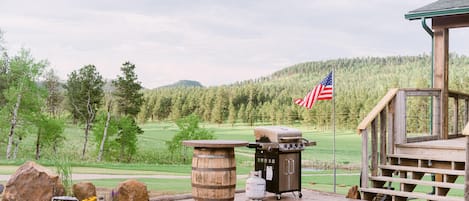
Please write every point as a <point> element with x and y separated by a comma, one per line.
<point>4,68</point>
<point>242,113</point>
<point>189,129</point>
<point>127,137</point>
<point>231,113</point>
<point>55,97</point>
<point>49,133</point>
<point>128,93</point>
<point>85,93</point>
<point>163,108</point>
<point>102,142</point>
<point>105,133</point>
<point>23,96</point>
<point>176,108</point>
<point>219,106</point>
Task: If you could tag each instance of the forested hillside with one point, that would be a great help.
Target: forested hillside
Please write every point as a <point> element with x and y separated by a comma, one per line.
<point>360,83</point>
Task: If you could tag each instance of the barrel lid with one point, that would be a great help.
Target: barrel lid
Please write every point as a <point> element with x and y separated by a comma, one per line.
<point>215,143</point>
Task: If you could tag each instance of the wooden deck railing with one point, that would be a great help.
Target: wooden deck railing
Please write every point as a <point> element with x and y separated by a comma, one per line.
<point>379,112</point>
<point>459,99</point>
<point>387,123</point>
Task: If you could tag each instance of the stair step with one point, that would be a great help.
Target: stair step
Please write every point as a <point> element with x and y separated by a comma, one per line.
<point>419,182</point>
<point>425,157</point>
<point>421,169</point>
<point>410,194</point>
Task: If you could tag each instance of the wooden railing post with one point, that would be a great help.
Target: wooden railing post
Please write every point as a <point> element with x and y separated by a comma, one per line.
<point>400,121</point>
<point>466,176</point>
<point>466,111</point>
<point>391,125</point>
<point>436,116</point>
<point>364,171</point>
<point>374,148</point>
<point>382,137</point>
<point>455,115</point>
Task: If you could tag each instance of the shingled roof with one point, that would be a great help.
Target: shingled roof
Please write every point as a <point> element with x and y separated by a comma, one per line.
<point>439,8</point>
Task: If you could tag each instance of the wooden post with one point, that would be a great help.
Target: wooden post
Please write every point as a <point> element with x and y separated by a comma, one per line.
<point>436,116</point>
<point>364,172</point>
<point>466,111</point>
<point>390,122</point>
<point>440,76</point>
<point>456,115</point>
<point>400,121</point>
<point>382,138</point>
<point>374,149</point>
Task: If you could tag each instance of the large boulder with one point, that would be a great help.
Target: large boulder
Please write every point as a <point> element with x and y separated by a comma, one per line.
<point>131,190</point>
<point>32,182</point>
<point>84,190</point>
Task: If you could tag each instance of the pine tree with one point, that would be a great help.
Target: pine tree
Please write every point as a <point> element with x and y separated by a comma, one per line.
<point>128,93</point>
<point>85,93</point>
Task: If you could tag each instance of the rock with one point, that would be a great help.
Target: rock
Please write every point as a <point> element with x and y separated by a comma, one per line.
<point>353,193</point>
<point>84,190</point>
<point>32,182</point>
<point>131,190</point>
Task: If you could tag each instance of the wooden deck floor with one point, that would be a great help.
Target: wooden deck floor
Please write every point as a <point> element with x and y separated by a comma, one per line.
<point>308,195</point>
<point>453,149</point>
<point>456,143</point>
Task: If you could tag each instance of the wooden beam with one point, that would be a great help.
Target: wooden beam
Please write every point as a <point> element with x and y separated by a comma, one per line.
<point>441,76</point>
<point>453,21</point>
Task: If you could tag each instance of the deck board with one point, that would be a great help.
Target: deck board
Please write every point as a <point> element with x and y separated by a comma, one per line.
<point>309,195</point>
<point>456,143</point>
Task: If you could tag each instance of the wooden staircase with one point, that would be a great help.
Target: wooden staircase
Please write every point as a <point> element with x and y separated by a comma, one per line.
<point>397,161</point>
<point>406,171</point>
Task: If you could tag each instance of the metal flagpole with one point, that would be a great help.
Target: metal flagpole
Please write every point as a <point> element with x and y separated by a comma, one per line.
<point>333,123</point>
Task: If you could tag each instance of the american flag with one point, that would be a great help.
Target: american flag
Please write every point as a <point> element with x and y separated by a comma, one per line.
<point>322,91</point>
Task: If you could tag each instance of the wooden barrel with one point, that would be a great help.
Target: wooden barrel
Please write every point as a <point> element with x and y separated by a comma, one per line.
<point>213,174</point>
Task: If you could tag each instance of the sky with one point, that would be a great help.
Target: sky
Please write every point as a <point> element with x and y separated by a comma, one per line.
<point>214,42</point>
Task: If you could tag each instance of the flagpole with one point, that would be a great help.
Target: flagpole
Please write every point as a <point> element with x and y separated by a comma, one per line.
<point>333,124</point>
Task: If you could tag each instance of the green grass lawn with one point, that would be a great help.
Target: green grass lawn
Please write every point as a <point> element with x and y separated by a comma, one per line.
<point>152,142</point>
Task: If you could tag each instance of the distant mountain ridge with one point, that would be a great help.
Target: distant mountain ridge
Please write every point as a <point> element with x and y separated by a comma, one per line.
<point>183,83</point>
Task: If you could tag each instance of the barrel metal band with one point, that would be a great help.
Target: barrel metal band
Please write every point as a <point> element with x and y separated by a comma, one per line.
<point>214,186</point>
<point>213,156</point>
<point>213,169</point>
<point>218,199</point>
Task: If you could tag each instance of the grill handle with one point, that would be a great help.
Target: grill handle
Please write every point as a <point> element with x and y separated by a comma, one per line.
<point>253,145</point>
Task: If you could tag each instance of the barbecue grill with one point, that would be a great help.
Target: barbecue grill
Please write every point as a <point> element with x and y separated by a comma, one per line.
<point>278,156</point>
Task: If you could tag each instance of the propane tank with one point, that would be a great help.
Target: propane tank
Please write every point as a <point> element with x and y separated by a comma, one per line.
<point>255,186</point>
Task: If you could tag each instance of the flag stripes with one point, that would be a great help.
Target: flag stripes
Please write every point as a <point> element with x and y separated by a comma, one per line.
<point>322,91</point>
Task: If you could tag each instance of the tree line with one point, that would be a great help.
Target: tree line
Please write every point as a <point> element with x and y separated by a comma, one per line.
<point>359,84</point>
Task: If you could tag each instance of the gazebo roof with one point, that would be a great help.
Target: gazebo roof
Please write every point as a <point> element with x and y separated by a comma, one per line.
<point>440,8</point>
